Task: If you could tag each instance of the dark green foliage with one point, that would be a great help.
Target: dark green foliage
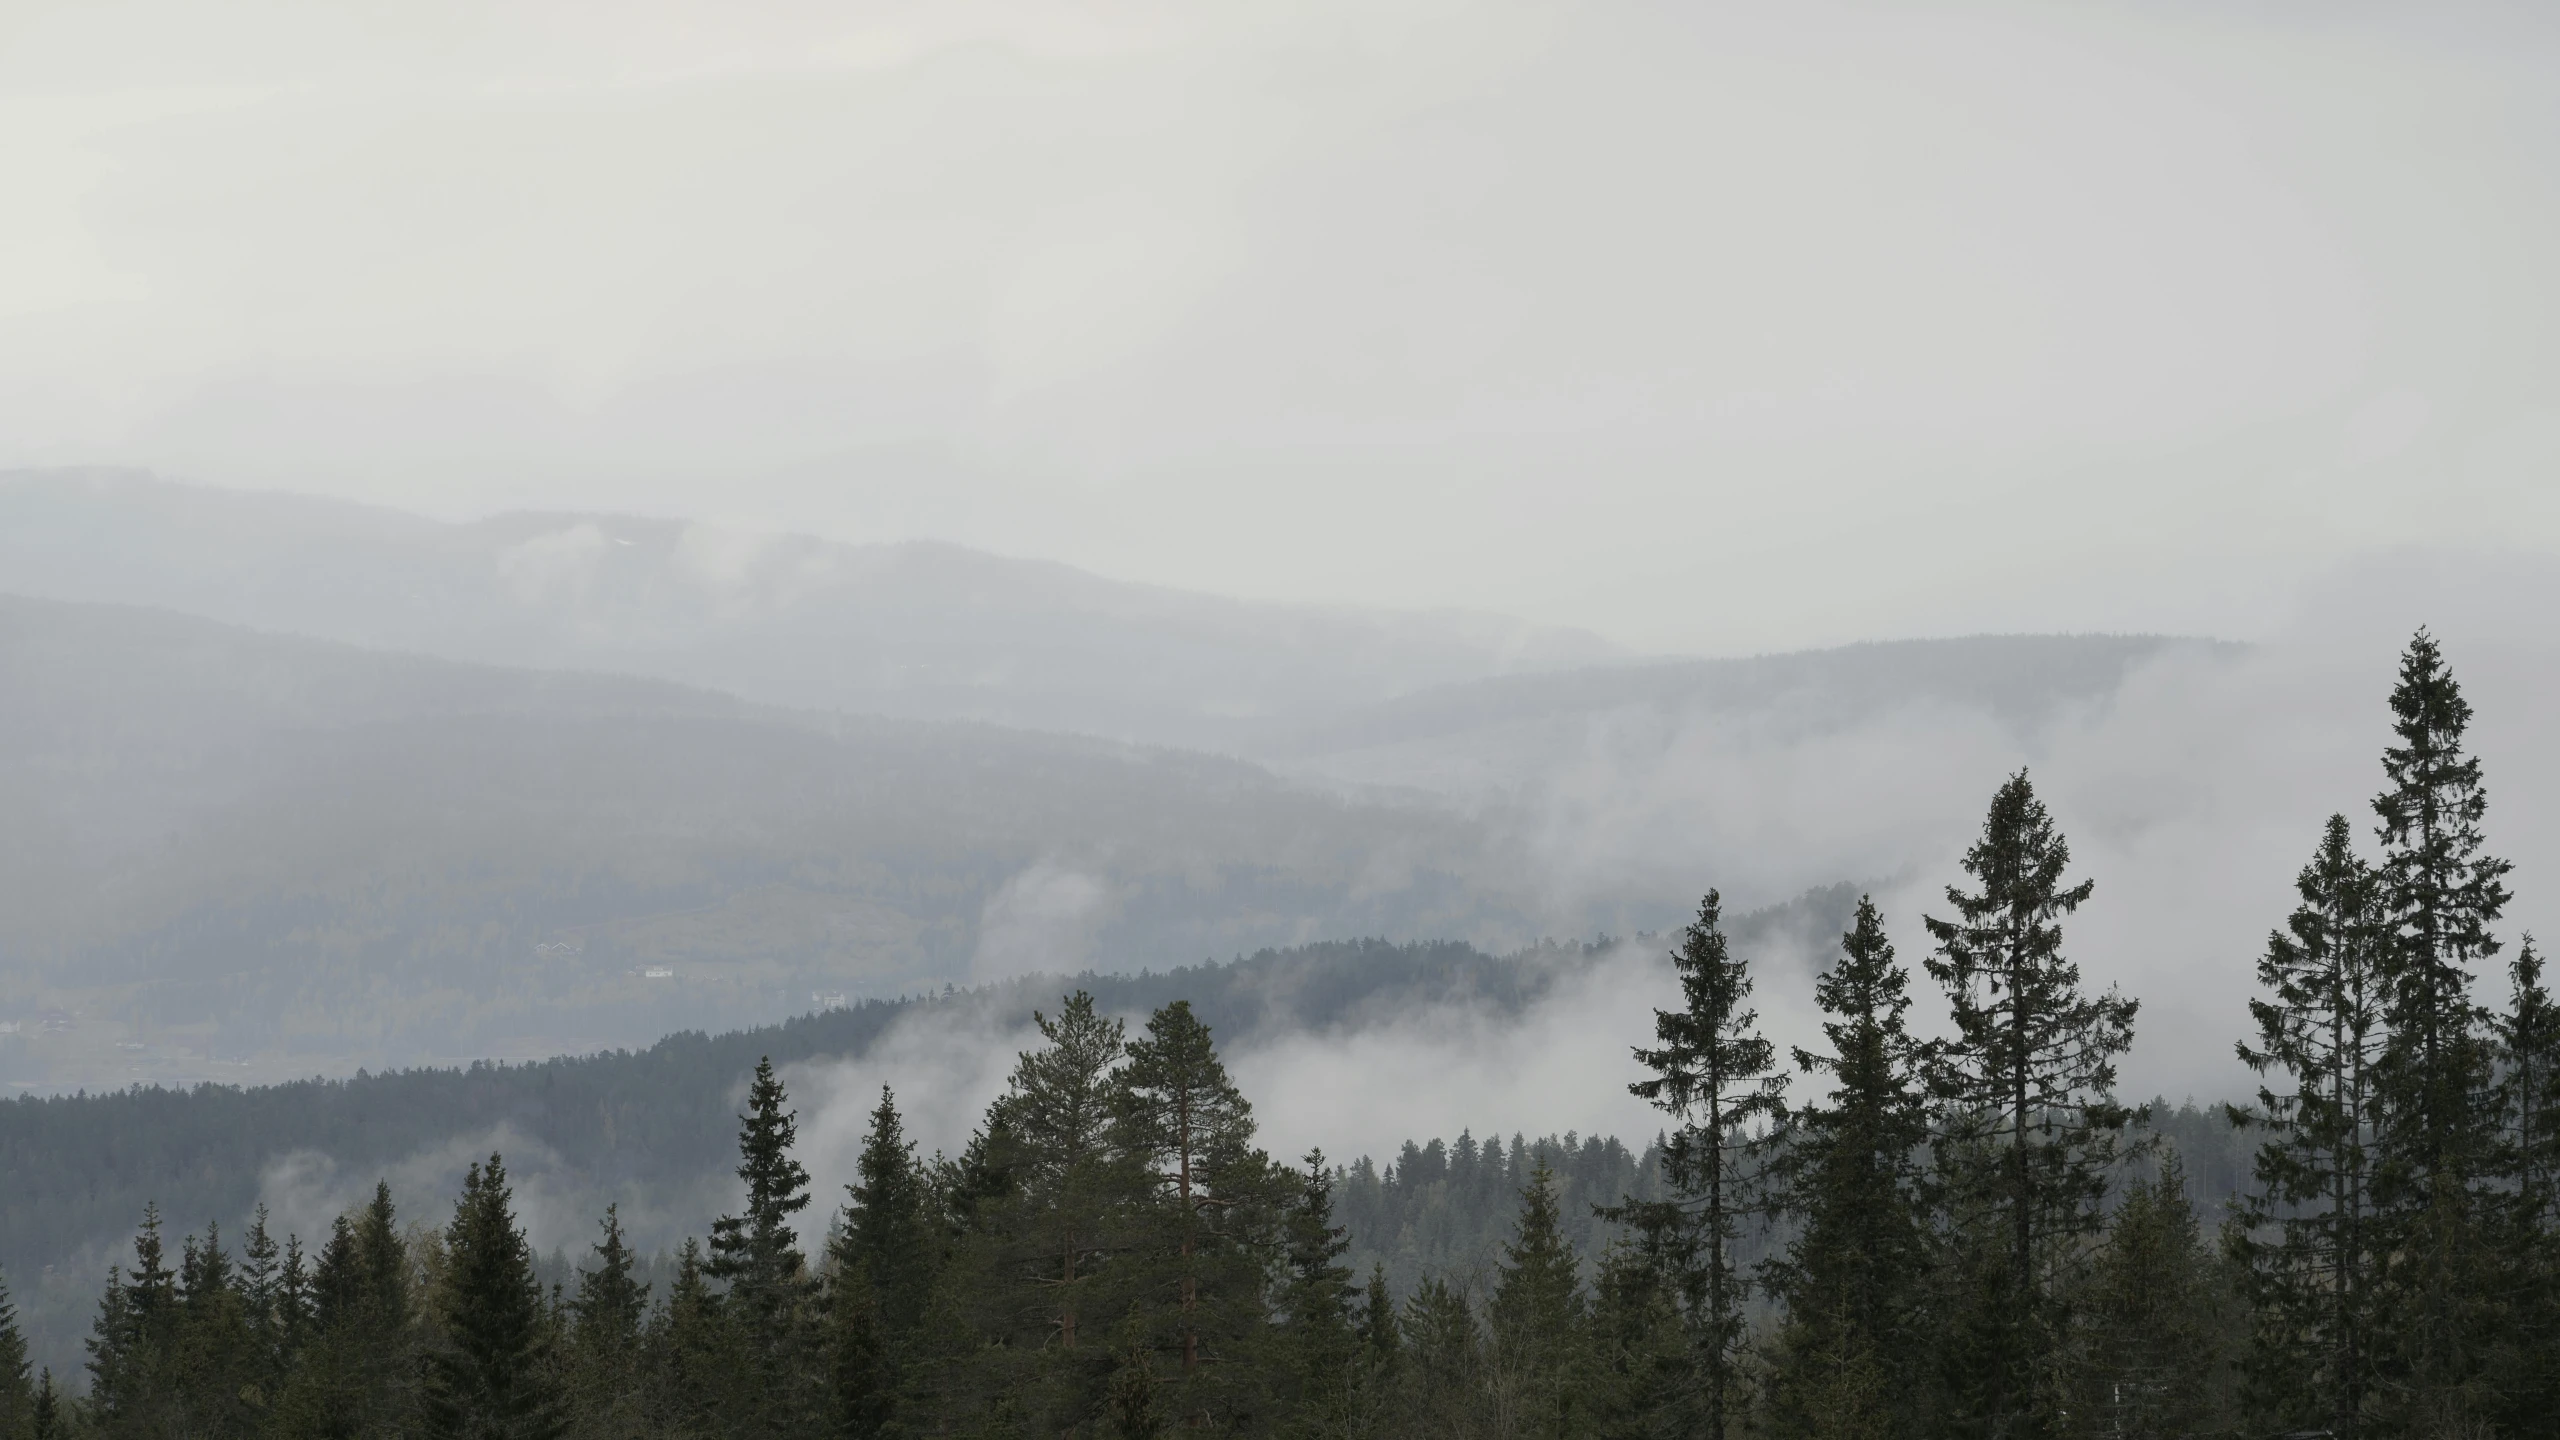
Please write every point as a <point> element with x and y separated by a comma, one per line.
<point>692,1355</point>
<point>607,1326</point>
<point>1715,1075</point>
<point>2305,1235</point>
<point>1962,1243</point>
<point>2436,1142</point>
<point>1849,1358</point>
<point>2150,1323</point>
<point>17,1383</point>
<point>1026,1308</point>
<point>2528,1236</point>
<point>1540,1321</point>
<point>2027,1124</point>
<point>1318,1364</point>
<point>888,1233</point>
<point>769,1285</point>
<point>488,1368</point>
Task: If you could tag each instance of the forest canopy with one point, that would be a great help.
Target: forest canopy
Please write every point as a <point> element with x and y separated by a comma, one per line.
<point>1967,1233</point>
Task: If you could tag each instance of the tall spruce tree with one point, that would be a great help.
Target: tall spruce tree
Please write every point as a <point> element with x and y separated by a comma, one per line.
<point>1541,1320</point>
<point>133,1370</point>
<point>2528,1103</point>
<point>889,1225</point>
<point>1848,1170</point>
<point>1715,1075</point>
<point>17,1383</point>
<point>2320,1031</point>
<point>488,1372</point>
<point>2027,1121</point>
<point>607,1321</point>
<point>1315,1377</point>
<point>769,1285</point>
<point>218,1369</point>
<point>694,1356</point>
<point>2441,893</point>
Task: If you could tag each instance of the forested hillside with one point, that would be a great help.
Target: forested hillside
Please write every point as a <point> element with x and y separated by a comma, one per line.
<point>243,848</point>
<point>1887,1232</point>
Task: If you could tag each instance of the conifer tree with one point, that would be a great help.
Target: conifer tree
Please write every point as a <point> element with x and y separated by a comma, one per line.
<point>2148,1323</point>
<point>2320,1032</point>
<point>1379,1339</point>
<point>17,1385</point>
<point>1540,1320</point>
<point>2441,891</point>
<point>1183,1124</point>
<point>1715,1075</point>
<point>218,1365</point>
<point>888,1230</point>
<point>605,1333</point>
<point>1443,1391</point>
<point>758,1253</point>
<point>1048,1197</point>
<point>2528,1104</point>
<point>2027,1121</point>
<point>1317,1371</point>
<point>133,1343</point>
<point>1638,1387</point>
<point>862,1368</point>
<point>357,1374</point>
<point>693,1357</point>
<point>1848,1170</point>
<point>488,1374</point>
<point>45,1422</point>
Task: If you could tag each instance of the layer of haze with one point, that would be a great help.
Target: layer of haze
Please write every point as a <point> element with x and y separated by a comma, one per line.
<point>1709,327</point>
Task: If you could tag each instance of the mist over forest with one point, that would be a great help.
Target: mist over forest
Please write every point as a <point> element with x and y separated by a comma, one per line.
<point>1470,719</point>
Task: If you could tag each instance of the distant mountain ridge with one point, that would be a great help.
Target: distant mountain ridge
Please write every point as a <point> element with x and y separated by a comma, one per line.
<point>917,629</point>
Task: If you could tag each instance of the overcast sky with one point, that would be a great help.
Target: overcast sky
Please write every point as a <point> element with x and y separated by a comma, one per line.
<point>1710,327</point>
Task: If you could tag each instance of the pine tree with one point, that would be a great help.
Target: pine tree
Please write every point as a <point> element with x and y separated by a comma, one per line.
<point>17,1385</point>
<point>2441,892</point>
<point>2148,1322</point>
<point>2320,1031</point>
<point>758,1254</point>
<point>1848,1352</point>
<point>1715,1075</point>
<point>1046,1198</point>
<point>2027,1120</point>
<point>488,1374</point>
<point>1183,1125</point>
<point>605,1330</point>
<point>1540,1320</point>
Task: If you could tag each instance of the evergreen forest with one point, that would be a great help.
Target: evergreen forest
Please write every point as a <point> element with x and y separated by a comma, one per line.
<point>1901,1231</point>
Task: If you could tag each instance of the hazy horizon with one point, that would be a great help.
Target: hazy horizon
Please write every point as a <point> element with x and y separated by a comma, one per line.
<point>2001,318</point>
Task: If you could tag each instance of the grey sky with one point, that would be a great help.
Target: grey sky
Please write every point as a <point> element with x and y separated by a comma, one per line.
<point>1709,327</point>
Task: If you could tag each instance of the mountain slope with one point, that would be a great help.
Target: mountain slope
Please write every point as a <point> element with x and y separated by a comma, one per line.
<point>923,630</point>
<point>227,846</point>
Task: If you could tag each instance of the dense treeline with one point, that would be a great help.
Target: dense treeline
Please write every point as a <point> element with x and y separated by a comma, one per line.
<point>1955,1235</point>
